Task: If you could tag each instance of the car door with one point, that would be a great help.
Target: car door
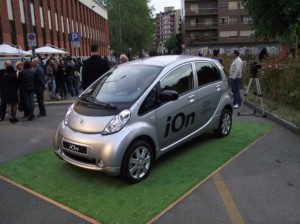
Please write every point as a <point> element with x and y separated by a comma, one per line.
<point>176,119</point>
<point>209,90</point>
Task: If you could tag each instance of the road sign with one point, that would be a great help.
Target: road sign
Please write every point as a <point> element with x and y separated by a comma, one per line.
<point>75,39</point>
<point>31,39</point>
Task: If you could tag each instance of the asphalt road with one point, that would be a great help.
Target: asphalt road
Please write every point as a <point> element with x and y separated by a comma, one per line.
<point>262,185</point>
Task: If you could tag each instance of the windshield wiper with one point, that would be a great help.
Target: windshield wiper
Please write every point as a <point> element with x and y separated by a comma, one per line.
<point>89,98</point>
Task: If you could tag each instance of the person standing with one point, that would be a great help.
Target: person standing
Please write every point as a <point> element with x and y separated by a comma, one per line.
<point>26,86</point>
<point>39,86</point>
<point>235,73</point>
<point>70,78</point>
<point>93,68</point>
<point>11,92</point>
<point>123,58</point>
<point>3,100</point>
<point>61,80</point>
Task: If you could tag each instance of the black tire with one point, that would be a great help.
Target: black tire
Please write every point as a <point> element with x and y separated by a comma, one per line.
<point>137,162</point>
<point>225,124</point>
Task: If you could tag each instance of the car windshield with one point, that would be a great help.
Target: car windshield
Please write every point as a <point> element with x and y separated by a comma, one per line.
<point>122,84</point>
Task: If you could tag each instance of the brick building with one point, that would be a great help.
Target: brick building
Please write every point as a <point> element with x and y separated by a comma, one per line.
<point>166,24</point>
<point>224,24</point>
<point>52,23</point>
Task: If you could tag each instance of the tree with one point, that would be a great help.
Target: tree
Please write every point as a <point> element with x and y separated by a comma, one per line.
<point>130,25</point>
<point>173,44</point>
<point>275,19</point>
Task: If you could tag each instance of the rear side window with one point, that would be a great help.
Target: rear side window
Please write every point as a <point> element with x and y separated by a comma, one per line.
<point>180,80</point>
<point>207,73</point>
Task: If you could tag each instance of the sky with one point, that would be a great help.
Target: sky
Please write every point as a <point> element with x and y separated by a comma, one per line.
<point>160,4</point>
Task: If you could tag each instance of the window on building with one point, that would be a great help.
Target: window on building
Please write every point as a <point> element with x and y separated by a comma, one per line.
<point>12,30</point>
<point>44,36</point>
<point>246,33</point>
<point>223,5</point>
<point>62,24</point>
<point>41,17</point>
<point>56,22</point>
<point>233,19</point>
<point>24,30</point>
<point>208,21</point>
<point>49,20</point>
<point>194,8</point>
<point>229,34</point>
<point>22,11</point>
<point>9,10</point>
<point>223,20</point>
<point>193,22</point>
<point>233,5</point>
<point>246,19</point>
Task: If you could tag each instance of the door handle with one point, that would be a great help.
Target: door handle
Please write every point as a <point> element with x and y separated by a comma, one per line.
<point>218,87</point>
<point>192,98</point>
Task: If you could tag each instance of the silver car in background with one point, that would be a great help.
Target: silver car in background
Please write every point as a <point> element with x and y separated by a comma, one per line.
<point>140,110</point>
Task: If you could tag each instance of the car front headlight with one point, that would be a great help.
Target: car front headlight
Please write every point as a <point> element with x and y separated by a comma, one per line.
<point>117,123</point>
<point>68,114</point>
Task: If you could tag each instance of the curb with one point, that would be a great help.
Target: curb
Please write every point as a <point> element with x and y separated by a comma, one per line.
<point>287,125</point>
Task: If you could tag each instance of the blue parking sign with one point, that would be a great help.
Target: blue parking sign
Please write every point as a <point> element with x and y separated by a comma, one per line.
<point>75,39</point>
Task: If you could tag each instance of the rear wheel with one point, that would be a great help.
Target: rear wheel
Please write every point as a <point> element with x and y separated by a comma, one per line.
<point>137,162</point>
<point>225,124</point>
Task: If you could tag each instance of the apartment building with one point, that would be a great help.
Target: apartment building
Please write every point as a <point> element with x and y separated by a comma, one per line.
<point>53,21</point>
<point>217,23</point>
<point>166,24</point>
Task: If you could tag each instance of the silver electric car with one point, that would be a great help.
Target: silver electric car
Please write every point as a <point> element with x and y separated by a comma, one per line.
<point>140,110</point>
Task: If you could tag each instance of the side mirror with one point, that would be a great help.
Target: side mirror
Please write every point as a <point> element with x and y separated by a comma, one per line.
<point>168,95</point>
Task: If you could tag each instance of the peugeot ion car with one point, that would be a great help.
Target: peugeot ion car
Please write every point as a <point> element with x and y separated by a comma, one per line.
<point>140,110</point>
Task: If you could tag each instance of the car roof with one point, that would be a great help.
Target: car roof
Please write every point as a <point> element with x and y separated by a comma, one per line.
<point>166,60</point>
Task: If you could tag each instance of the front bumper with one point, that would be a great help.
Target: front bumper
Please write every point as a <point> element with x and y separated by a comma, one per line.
<point>102,152</point>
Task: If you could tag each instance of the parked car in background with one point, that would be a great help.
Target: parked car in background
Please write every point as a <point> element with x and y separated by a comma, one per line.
<point>142,109</point>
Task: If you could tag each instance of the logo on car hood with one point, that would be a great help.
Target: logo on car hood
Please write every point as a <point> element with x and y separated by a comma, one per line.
<point>82,120</point>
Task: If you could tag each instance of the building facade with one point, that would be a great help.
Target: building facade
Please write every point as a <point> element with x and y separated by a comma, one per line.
<point>166,24</point>
<point>217,23</point>
<point>52,22</point>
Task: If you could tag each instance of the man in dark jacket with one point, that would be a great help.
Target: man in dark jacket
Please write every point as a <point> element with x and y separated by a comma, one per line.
<point>93,67</point>
<point>3,100</point>
<point>39,86</point>
<point>26,85</point>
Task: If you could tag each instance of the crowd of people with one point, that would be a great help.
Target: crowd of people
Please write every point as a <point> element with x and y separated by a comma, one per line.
<point>19,83</point>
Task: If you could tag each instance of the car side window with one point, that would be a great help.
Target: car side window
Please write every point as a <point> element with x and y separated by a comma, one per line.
<point>149,103</point>
<point>180,80</point>
<point>207,73</point>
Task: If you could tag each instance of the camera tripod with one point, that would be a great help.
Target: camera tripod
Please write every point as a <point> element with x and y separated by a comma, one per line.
<point>257,93</point>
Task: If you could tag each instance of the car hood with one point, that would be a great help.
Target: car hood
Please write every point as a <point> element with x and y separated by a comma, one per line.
<point>88,124</point>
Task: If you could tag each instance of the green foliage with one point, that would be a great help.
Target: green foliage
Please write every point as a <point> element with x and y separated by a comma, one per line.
<point>130,25</point>
<point>173,44</point>
<point>276,18</point>
<point>280,85</point>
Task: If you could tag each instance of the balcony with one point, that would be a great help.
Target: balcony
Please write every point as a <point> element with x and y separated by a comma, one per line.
<point>201,40</point>
<point>201,26</point>
<point>201,11</point>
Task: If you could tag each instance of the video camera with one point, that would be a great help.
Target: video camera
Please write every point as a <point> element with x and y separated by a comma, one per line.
<point>254,67</point>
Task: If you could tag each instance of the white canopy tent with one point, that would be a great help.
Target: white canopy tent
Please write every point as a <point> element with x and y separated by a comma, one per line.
<point>7,49</point>
<point>48,49</point>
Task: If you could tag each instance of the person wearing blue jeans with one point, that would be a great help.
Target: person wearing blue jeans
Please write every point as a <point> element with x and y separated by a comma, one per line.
<point>235,74</point>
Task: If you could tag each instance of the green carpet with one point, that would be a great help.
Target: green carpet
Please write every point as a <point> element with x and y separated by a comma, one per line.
<point>109,199</point>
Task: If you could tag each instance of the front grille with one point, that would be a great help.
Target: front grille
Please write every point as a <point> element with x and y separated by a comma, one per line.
<point>80,159</point>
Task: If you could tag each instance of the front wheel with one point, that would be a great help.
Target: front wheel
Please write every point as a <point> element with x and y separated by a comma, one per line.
<point>224,124</point>
<point>137,162</point>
